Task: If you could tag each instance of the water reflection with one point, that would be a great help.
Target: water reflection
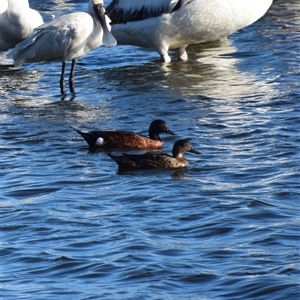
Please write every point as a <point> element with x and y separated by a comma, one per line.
<point>174,174</point>
<point>14,83</point>
<point>212,71</point>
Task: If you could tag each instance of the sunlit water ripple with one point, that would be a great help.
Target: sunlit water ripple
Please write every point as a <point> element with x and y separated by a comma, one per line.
<point>227,227</point>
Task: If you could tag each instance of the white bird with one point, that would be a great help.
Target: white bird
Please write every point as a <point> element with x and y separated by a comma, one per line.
<point>17,21</point>
<point>174,24</point>
<point>66,37</point>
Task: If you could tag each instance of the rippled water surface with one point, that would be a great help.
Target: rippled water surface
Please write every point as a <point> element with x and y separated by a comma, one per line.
<point>227,227</point>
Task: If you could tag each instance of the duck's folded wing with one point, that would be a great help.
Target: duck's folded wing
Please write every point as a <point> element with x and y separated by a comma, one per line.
<point>147,155</point>
<point>123,11</point>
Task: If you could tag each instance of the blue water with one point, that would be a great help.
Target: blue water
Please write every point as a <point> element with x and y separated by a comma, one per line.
<point>227,227</point>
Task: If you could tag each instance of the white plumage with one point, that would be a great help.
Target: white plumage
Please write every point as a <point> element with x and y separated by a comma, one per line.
<point>17,21</point>
<point>67,37</point>
<point>174,24</point>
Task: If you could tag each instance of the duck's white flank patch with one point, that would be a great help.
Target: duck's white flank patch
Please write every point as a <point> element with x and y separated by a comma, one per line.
<point>100,141</point>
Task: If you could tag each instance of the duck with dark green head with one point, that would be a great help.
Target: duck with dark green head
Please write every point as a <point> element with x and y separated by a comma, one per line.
<point>160,160</point>
<point>127,139</point>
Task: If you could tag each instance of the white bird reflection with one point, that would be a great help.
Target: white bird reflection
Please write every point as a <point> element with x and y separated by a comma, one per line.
<point>213,71</point>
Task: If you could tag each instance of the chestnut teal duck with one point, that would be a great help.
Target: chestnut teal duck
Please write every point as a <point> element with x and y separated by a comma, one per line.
<point>160,160</point>
<point>127,139</point>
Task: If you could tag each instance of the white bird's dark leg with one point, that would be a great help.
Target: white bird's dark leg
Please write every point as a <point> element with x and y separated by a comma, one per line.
<point>71,78</point>
<point>62,82</point>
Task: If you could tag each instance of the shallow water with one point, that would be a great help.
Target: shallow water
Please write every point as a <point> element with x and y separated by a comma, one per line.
<point>227,227</point>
